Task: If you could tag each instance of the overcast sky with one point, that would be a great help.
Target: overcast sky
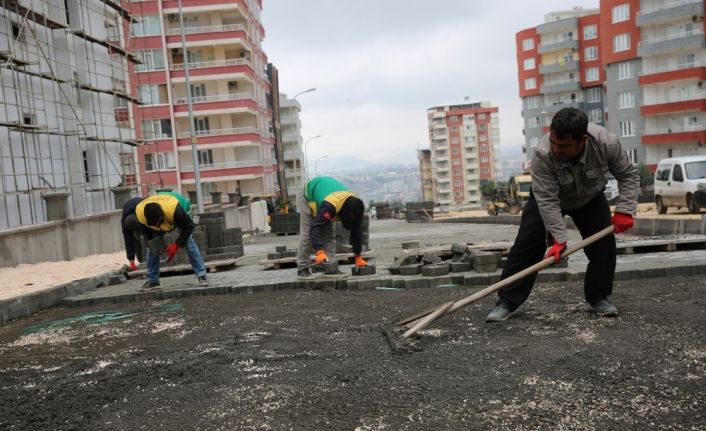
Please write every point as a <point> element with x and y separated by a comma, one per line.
<point>378,65</point>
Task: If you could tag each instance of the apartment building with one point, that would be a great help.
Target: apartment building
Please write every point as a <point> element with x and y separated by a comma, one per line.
<point>461,139</point>
<point>66,139</point>
<point>425,175</point>
<point>634,66</point>
<point>293,156</point>
<point>231,119</point>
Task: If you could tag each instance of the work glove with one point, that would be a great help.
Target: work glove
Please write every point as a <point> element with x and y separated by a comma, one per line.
<point>171,251</point>
<point>321,257</point>
<point>622,222</point>
<point>359,261</point>
<point>556,251</point>
<point>133,267</point>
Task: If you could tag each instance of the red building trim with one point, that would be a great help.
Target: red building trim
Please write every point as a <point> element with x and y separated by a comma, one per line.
<point>140,43</point>
<point>209,36</point>
<point>225,104</point>
<point>227,172</point>
<point>674,75</point>
<point>608,31</point>
<point>666,108</point>
<point>173,4</point>
<point>218,70</point>
<point>671,138</point>
<point>220,139</point>
<point>522,75</point>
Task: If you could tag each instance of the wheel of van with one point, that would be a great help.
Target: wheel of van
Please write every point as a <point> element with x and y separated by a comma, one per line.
<point>659,205</point>
<point>691,204</point>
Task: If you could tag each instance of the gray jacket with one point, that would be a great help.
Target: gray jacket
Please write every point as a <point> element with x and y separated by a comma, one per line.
<point>558,185</point>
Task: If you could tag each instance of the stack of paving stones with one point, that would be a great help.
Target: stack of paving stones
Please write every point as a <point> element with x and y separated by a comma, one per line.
<point>215,241</point>
<point>342,236</point>
<point>383,210</point>
<point>281,252</point>
<point>432,265</point>
<point>419,212</point>
<point>285,223</point>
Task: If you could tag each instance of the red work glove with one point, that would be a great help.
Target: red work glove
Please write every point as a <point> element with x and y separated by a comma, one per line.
<point>171,251</point>
<point>321,257</point>
<point>133,267</point>
<point>622,222</point>
<point>359,261</point>
<point>556,251</point>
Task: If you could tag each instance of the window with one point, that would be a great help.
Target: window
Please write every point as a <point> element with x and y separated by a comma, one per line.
<point>457,172</point>
<point>151,59</point>
<point>159,161</point>
<point>621,13</point>
<point>147,25</point>
<point>206,158</point>
<point>627,128</point>
<point>621,42</point>
<point>156,129</point>
<point>533,141</point>
<point>590,32</point>
<point>18,32</point>
<point>532,121</point>
<point>149,94</point>
<point>484,159</point>
<point>530,84</point>
<point>633,156</point>
<point>456,161</point>
<point>455,150</point>
<point>201,125</point>
<point>484,147</point>
<point>453,118</point>
<point>592,74</point>
<point>481,116</point>
<point>458,194</point>
<point>663,172</point>
<point>590,53</point>
<point>593,95</point>
<point>458,183</point>
<point>86,175</point>
<point>482,138</point>
<point>595,115</point>
<point>455,140</point>
<point>624,71</point>
<point>470,139</point>
<point>529,63</point>
<point>626,100</point>
<point>28,119</point>
<point>453,130</point>
<point>484,170</point>
<point>677,175</point>
<point>527,44</point>
<point>532,102</point>
<point>685,61</point>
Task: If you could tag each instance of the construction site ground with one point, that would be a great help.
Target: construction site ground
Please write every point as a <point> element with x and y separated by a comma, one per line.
<point>315,359</point>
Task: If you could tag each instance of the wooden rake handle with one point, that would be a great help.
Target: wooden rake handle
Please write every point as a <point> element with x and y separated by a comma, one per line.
<point>408,324</point>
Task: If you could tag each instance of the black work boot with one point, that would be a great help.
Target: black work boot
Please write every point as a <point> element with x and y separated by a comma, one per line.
<point>604,308</point>
<point>149,286</point>
<point>306,274</point>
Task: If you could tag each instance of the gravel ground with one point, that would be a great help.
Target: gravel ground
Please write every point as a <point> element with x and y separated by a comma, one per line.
<point>316,360</point>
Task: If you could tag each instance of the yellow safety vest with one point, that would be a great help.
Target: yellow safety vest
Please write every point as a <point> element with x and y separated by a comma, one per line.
<point>168,204</point>
<point>336,199</point>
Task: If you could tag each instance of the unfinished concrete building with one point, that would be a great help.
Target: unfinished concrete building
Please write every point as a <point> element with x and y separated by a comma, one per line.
<point>66,135</point>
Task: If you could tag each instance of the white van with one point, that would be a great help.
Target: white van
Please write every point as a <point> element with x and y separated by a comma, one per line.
<point>676,180</point>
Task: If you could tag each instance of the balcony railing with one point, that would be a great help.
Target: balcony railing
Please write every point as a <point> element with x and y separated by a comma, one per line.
<point>215,63</point>
<point>674,100</point>
<point>207,29</point>
<point>667,5</point>
<point>667,130</point>
<point>224,165</point>
<point>220,132</point>
<point>672,68</point>
<point>671,36</point>
<point>216,98</point>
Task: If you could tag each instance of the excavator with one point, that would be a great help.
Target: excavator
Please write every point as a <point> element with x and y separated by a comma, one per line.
<point>511,198</point>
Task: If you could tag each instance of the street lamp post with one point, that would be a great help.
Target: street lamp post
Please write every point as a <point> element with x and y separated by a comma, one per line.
<point>306,155</point>
<point>316,164</point>
<point>302,92</point>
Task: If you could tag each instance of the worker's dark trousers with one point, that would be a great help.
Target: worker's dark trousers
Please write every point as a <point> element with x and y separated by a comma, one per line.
<point>530,247</point>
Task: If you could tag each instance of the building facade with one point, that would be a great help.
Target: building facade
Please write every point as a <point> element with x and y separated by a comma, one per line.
<point>231,118</point>
<point>425,175</point>
<point>293,155</point>
<point>461,139</point>
<point>66,131</point>
<point>634,66</point>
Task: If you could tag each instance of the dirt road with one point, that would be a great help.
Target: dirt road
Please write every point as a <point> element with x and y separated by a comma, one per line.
<point>316,360</point>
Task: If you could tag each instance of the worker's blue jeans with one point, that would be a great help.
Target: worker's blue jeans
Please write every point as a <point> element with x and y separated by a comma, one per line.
<point>195,258</point>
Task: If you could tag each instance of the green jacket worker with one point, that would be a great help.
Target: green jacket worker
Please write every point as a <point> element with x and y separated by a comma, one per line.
<point>162,213</point>
<point>325,200</point>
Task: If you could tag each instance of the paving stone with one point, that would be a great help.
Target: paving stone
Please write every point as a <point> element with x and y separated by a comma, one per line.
<point>346,248</point>
<point>546,277</point>
<point>494,278</point>
<point>286,285</point>
<point>342,284</point>
<point>435,270</point>
<point>411,269</point>
<point>459,248</point>
<point>363,270</point>
<point>484,258</point>
<point>402,261</point>
<point>458,279</point>
<point>440,281</point>
<point>417,283</point>
<point>431,259</point>
<point>281,248</point>
<point>399,283</point>
<point>467,257</point>
<point>476,280</point>
<point>486,267</point>
<point>331,267</point>
<point>459,266</point>
<point>410,244</point>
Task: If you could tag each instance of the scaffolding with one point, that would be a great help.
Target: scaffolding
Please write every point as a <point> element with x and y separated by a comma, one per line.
<point>67,122</point>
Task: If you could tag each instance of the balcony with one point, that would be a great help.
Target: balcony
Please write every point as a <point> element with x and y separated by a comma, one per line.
<point>563,45</point>
<point>210,36</point>
<point>694,104</point>
<point>224,165</point>
<point>670,11</point>
<point>559,86</point>
<point>215,103</point>
<point>566,66</point>
<point>172,6</point>
<point>207,29</point>
<point>657,136</point>
<point>675,41</point>
<point>558,26</point>
<point>674,72</point>
<point>293,155</point>
<point>215,67</point>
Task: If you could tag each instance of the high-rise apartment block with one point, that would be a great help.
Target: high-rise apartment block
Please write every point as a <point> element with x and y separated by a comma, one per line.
<point>425,175</point>
<point>290,127</point>
<point>66,135</point>
<point>229,105</point>
<point>634,66</point>
<point>462,138</point>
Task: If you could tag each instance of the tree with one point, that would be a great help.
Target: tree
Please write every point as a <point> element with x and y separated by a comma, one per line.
<point>647,178</point>
<point>487,187</point>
